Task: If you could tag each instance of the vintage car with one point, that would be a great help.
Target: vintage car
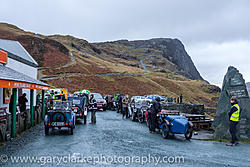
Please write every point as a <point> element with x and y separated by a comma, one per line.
<point>136,98</point>
<point>172,122</point>
<point>138,110</point>
<point>101,103</point>
<point>153,97</point>
<point>79,105</point>
<point>61,116</point>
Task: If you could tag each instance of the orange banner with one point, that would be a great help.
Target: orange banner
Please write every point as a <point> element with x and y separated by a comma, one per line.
<point>21,85</point>
<point>3,57</point>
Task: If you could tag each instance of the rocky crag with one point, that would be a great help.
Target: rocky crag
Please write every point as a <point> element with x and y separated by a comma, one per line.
<point>158,54</point>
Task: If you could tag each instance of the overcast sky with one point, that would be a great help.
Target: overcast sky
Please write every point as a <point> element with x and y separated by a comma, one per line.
<point>216,33</point>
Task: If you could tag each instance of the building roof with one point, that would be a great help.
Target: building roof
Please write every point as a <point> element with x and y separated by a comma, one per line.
<point>17,52</point>
<point>12,75</point>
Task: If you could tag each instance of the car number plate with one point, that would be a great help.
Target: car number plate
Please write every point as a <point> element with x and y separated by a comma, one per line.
<point>77,114</point>
<point>57,124</point>
<point>85,112</point>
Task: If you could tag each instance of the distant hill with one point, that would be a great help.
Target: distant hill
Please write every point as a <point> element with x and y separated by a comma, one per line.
<point>155,66</point>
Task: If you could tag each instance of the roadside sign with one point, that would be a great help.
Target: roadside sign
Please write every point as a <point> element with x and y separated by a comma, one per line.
<point>3,57</point>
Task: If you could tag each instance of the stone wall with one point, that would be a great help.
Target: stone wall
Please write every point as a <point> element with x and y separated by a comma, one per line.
<point>185,108</point>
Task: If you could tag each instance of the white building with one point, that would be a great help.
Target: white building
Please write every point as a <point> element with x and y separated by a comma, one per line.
<point>18,75</point>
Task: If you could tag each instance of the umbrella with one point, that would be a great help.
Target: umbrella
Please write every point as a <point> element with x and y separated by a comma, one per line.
<point>85,91</point>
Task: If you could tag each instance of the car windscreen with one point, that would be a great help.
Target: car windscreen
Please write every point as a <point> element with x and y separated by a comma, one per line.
<point>60,105</point>
<point>77,100</point>
<point>97,96</point>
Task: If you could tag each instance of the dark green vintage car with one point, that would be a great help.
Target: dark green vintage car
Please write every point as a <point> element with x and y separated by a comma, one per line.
<point>60,116</point>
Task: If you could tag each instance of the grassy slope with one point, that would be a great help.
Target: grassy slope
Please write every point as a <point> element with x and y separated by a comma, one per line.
<point>89,63</point>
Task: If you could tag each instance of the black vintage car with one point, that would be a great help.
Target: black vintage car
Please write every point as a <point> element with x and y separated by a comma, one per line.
<point>138,110</point>
<point>79,107</point>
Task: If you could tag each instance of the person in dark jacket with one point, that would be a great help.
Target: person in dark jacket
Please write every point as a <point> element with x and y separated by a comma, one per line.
<point>92,106</point>
<point>22,100</point>
<point>120,107</point>
<point>234,118</point>
<point>155,109</point>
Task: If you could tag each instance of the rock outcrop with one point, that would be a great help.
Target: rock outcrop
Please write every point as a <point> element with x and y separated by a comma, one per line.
<point>233,85</point>
<point>159,53</point>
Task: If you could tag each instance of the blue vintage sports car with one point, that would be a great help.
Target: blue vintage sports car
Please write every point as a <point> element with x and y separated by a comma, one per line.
<point>61,116</point>
<point>175,124</point>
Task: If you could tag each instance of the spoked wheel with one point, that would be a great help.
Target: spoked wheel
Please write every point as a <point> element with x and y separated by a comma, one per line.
<point>140,118</point>
<point>165,131</point>
<point>189,133</point>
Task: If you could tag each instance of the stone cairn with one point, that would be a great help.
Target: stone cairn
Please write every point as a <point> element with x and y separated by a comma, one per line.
<point>233,85</point>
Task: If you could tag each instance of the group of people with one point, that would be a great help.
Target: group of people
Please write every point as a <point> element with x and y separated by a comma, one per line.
<point>92,106</point>
<point>123,104</point>
<point>156,107</point>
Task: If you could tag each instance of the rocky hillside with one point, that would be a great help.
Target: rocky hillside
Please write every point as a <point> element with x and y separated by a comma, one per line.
<point>158,55</point>
<point>156,66</point>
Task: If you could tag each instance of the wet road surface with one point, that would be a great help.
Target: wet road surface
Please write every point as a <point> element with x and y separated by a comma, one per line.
<point>117,142</point>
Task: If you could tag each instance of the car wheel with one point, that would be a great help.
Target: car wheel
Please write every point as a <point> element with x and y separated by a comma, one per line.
<point>104,109</point>
<point>46,130</point>
<point>148,122</point>
<point>165,131</point>
<point>85,119</point>
<point>189,133</point>
<point>74,123</point>
<point>140,118</point>
<point>133,117</point>
<point>71,131</point>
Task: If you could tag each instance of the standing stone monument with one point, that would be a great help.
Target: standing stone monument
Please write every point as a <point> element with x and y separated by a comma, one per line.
<point>233,85</point>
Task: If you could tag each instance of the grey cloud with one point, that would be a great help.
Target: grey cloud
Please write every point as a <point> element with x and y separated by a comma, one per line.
<point>192,21</point>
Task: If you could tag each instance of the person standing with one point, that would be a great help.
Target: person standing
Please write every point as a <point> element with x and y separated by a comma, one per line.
<point>181,97</point>
<point>125,102</point>
<point>155,109</point>
<point>92,106</point>
<point>120,107</point>
<point>234,118</point>
<point>109,101</point>
<point>22,100</point>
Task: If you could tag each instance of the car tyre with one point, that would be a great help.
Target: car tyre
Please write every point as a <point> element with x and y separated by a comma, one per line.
<point>104,109</point>
<point>71,131</point>
<point>140,117</point>
<point>148,122</point>
<point>165,131</point>
<point>74,124</point>
<point>133,117</point>
<point>189,133</point>
<point>46,130</point>
<point>85,120</point>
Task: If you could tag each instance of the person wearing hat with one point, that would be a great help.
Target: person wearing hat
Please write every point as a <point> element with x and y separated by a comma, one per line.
<point>234,117</point>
